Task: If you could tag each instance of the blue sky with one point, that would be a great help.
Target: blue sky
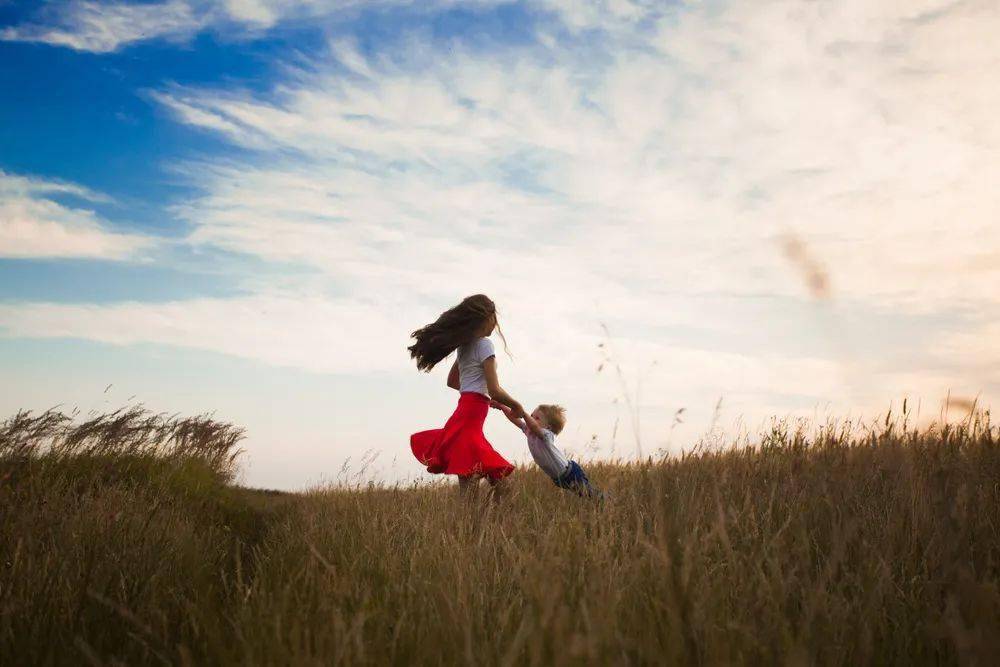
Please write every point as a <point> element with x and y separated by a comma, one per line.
<point>246,206</point>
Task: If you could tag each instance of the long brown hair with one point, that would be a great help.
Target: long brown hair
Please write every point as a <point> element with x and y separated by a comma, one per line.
<point>454,327</point>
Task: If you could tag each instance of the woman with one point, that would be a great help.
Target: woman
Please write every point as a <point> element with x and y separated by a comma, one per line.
<point>460,448</point>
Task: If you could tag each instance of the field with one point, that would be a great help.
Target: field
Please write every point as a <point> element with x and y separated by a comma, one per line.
<point>122,541</point>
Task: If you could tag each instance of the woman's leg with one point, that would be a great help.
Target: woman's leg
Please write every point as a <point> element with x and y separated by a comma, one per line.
<point>467,486</point>
<point>499,489</point>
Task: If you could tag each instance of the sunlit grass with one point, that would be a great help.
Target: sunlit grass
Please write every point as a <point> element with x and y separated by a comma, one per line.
<point>845,544</point>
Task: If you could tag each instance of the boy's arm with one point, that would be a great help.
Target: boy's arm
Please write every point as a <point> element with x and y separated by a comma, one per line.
<point>532,425</point>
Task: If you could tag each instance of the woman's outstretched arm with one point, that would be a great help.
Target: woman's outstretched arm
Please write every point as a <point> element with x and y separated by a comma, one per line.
<point>453,380</point>
<point>527,423</point>
<point>497,392</point>
<point>514,419</point>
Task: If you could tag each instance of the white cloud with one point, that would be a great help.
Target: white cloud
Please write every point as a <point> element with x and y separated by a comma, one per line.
<point>575,192</point>
<point>830,120</point>
<point>628,186</point>
<point>302,332</point>
<point>616,15</point>
<point>32,224</point>
<point>104,27</point>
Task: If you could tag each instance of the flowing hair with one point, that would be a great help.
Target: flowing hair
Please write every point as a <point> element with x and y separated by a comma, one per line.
<point>453,328</point>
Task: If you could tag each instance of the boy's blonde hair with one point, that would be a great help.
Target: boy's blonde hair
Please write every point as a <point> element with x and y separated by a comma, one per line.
<point>555,417</point>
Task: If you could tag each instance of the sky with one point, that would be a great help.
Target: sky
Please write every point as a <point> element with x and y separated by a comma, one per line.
<point>739,209</point>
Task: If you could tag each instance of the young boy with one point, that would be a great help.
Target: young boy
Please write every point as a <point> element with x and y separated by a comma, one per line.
<point>541,427</point>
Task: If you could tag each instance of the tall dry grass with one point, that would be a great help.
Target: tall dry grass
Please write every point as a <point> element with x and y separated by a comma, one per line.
<point>851,544</point>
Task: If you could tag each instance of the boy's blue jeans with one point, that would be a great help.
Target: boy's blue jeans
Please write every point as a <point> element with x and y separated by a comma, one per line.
<point>575,479</point>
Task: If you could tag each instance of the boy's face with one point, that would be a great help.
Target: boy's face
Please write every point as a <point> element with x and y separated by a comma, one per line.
<point>540,418</point>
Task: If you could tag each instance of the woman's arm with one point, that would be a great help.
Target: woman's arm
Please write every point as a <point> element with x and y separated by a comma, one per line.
<point>497,392</point>
<point>526,424</point>
<point>509,414</point>
<point>453,380</point>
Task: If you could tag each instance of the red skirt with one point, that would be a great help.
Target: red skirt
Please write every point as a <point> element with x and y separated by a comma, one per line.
<point>460,448</point>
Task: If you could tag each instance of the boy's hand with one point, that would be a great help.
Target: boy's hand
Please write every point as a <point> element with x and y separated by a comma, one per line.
<point>499,406</point>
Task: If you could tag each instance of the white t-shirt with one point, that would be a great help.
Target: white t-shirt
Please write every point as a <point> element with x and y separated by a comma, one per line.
<point>470,365</point>
<point>543,449</point>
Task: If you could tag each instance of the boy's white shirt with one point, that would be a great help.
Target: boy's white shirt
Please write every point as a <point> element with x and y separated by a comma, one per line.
<point>543,449</point>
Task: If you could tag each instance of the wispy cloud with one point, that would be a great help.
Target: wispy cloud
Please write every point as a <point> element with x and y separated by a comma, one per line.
<point>34,225</point>
<point>104,27</point>
<point>301,332</point>
<point>636,180</point>
<point>688,153</point>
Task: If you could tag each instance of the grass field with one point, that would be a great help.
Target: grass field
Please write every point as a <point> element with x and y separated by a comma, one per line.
<point>123,542</point>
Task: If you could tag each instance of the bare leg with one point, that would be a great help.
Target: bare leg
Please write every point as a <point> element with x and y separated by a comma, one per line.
<point>500,488</point>
<point>467,487</point>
